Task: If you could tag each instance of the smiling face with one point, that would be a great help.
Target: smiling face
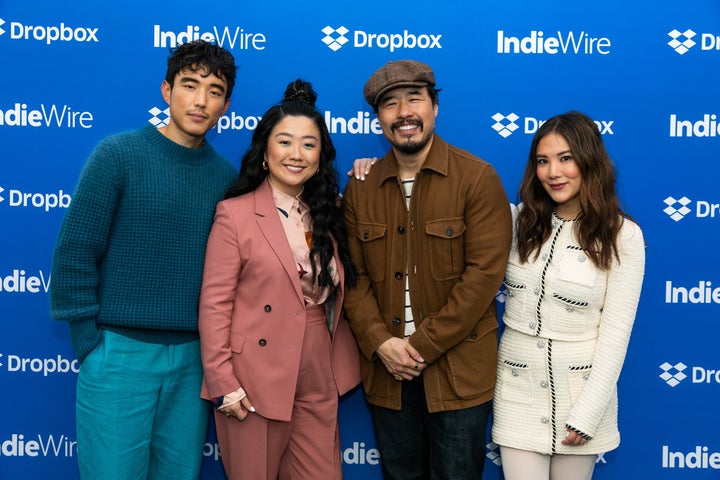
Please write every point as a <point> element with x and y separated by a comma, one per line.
<point>293,153</point>
<point>407,117</point>
<point>197,101</point>
<point>559,174</point>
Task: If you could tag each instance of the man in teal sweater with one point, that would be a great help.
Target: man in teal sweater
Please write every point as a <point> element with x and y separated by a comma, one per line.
<point>126,276</point>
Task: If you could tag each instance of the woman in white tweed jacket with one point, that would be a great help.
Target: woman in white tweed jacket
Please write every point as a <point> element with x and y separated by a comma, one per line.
<point>573,282</point>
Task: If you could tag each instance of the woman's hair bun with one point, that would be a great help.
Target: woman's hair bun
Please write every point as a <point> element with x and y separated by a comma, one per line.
<point>300,91</point>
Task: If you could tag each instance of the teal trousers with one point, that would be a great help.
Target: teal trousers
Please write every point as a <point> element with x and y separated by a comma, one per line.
<point>139,413</point>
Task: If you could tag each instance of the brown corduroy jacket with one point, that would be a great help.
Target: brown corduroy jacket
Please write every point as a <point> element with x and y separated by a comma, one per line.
<point>453,242</point>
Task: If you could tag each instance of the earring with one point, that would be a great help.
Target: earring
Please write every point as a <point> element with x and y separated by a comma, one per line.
<point>264,165</point>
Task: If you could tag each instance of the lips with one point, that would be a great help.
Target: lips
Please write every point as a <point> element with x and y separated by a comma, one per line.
<point>294,168</point>
<point>406,126</point>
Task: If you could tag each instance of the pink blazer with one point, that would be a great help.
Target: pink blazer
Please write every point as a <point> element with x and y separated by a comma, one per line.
<point>252,310</point>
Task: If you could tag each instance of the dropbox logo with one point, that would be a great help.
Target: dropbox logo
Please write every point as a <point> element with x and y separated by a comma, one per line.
<point>493,453</point>
<point>677,208</point>
<point>335,37</point>
<point>673,374</point>
<point>505,124</point>
<point>160,117</point>
<point>681,42</point>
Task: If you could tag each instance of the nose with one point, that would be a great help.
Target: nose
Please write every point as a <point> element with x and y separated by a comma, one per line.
<point>553,169</point>
<point>200,97</point>
<point>404,108</point>
<point>296,151</point>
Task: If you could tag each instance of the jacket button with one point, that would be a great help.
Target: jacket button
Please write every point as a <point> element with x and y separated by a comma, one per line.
<point>267,308</point>
<point>262,342</point>
<point>544,420</point>
<point>540,344</point>
<point>396,321</point>
<point>401,229</point>
<point>473,336</point>
<point>449,232</point>
<point>365,236</point>
<point>398,276</point>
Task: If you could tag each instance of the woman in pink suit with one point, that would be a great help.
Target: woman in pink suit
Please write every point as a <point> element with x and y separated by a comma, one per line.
<point>276,348</point>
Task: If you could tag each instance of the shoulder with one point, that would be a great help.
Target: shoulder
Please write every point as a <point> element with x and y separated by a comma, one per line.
<point>630,232</point>
<point>467,159</point>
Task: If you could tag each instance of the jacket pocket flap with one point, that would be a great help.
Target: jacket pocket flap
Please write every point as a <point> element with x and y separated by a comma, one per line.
<point>367,232</point>
<point>446,227</point>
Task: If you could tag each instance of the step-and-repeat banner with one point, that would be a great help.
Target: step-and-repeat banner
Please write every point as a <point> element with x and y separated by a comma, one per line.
<point>648,72</point>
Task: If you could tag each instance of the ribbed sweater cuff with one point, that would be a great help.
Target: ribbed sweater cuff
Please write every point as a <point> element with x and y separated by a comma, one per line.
<point>85,336</point>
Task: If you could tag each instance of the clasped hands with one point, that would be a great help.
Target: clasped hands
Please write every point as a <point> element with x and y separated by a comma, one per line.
<point>401,359</point>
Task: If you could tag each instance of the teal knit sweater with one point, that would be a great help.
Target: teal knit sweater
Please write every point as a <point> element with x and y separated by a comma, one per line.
<point>130,253</point>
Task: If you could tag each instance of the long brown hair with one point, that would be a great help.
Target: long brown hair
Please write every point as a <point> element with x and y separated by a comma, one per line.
<point>600,219</point>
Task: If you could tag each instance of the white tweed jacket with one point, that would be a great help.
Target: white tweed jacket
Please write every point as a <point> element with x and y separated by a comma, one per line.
<point>568,299</point>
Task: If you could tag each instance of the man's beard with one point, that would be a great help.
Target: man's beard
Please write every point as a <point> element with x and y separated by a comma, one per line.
<point>411,147</point>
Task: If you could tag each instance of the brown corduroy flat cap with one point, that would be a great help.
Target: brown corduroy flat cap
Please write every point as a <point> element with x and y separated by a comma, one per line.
<point>394,74</point>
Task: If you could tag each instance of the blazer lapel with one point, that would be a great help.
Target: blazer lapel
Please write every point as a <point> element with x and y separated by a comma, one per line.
<point>271,228</point>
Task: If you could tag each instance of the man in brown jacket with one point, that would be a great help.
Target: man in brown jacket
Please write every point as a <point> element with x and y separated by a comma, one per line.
<point>429,231</point>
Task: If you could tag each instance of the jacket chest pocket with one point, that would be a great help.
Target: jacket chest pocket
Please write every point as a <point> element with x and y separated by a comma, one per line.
<point>373,238</point>
<point>575,266</point>
<point>446,238</point>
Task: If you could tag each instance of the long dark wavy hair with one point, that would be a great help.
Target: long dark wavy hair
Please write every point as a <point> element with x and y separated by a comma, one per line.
<point>320,192</point>
<point>598,225</point>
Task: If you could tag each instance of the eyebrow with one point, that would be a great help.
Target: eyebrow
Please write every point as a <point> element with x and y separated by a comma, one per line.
<point>286,134</point>
<point>188,79</point>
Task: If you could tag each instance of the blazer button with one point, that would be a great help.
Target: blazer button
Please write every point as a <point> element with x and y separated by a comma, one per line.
<point>449,232</point>
<point>473,336</point>
<point>366,236</point>
<point>396,321</point>
<point>262,342</point>
<point>398,276</point>
<point>401,229</point>
<point>267,308</point>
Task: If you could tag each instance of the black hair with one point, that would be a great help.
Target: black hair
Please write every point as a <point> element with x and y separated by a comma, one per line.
<point>320,192</point>
<point>202,55</point>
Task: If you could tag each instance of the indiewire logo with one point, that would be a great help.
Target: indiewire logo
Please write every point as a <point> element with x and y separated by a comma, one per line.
<point>682,42</point>
<point>537,43</point>
<point>702,293</point>
<point>677,209</point>
<point>20,282</point>
<point>674,374</point>
<point>336,38</point>
<point>235,39</point>
<point>53,116</point>
<point>707,126</point>
<point>701,457</point>
<point>39,446</point>
<point>50,33</point>
<point>359,455</point>
<point>506,124</point>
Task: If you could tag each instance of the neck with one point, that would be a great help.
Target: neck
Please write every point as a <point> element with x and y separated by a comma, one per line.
<point>410,164</point>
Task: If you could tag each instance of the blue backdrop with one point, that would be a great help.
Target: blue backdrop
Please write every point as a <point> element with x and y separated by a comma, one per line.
<point>647,72</point>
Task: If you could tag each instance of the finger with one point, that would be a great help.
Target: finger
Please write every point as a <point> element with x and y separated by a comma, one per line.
<point>245,402</point>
